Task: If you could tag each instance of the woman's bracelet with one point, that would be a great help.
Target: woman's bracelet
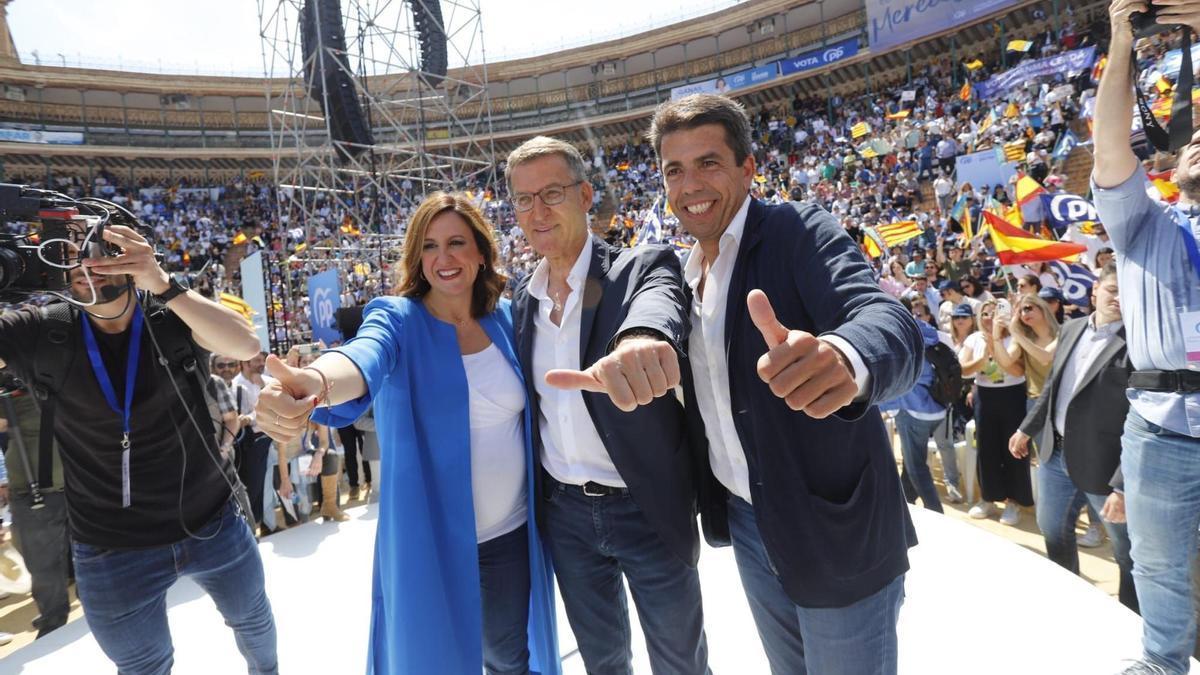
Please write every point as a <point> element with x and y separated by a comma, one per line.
<point>326,390</point>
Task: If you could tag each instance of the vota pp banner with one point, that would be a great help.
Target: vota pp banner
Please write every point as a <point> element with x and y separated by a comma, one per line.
<point>893,22</point>
<point>819,57</point>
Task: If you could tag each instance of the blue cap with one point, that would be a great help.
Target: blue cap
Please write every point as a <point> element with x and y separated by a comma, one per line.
<point>962,309</point>
<point>946,284</point>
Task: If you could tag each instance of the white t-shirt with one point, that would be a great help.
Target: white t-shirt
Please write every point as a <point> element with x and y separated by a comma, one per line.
<point>497,404</point>
<point>991,375</point>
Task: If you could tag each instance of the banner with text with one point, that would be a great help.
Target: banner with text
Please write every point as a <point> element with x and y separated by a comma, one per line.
<point>254,294</point>
<point>893,22</point>
<point>324,298</point>
<point>1067,63</point>
<point>983,168</point>
<point>28,136</point>
<point>819,57</point>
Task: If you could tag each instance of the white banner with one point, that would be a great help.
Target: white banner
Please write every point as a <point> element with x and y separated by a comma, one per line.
<point>255,295</point>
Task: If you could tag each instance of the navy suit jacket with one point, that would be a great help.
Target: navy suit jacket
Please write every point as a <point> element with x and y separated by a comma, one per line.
<point>625,289</point>
<point>826,493</point>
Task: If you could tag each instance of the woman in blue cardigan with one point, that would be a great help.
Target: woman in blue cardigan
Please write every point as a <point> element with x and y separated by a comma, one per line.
<point>457,539</point>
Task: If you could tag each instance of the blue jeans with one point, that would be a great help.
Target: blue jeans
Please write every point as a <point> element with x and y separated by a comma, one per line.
<point>943,435</point>
<point>1058,505</point>
<point>914,447</point>
<point>124,595</point>
<point>504,591</point>
<point>1162,504</point>
<point>856,640</point>
<point>593,542</point>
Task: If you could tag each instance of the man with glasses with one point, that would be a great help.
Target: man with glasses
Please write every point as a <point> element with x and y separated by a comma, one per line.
<point>598,332</point>
<point>226,368</point>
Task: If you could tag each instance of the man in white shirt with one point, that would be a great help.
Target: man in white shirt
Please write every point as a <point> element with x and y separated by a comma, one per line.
<point>598,330</point>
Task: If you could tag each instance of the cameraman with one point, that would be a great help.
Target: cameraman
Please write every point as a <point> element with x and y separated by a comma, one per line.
<point>39,534</point>
<point>1158,271</point>
<point>148,496</point>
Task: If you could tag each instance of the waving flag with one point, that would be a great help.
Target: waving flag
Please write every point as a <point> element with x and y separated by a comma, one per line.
<point>898,233</point>
<point>859,130</point>
<point>1066,145</point>
<point>1013,152</point>
<point>962,213</point>
<point>1015,246</point>
<point>1064,210</point>
<point>1075,282</point>
<point>898,115</point>
<point>974,65</point>
<point>1027,189</point>
<point>1166,187</point>
<point>1020,46</point>
<point>987,122</point>
<point>238,305</point>
<point>965,92</point>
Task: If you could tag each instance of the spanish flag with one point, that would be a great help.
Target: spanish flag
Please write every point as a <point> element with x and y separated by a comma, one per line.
<point>974,65</point>
<point>238,305</point>
<point>965,92</point>
<point>1166,187</point>
<point>1015,246</point>
<point>898,233</point>
<point>1019,46</point>
<point>1027,189</point>
<point>898,115</point>
<point>859,130</point>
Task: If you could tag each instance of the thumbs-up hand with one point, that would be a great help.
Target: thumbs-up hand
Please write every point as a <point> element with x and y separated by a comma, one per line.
<point>287,401</point>
<point>638,371</point>
<point>808,373</point>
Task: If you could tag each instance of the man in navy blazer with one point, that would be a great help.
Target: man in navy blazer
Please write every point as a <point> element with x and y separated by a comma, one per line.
<point>792,344</point>
<point>598,331</point>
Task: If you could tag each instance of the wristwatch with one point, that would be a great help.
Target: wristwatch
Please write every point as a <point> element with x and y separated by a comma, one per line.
<point>174,289</point>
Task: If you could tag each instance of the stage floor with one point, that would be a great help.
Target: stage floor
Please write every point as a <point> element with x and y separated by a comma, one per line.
<point>976,603</point>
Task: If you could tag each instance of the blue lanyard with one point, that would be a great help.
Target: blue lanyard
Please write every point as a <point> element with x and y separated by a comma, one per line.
<point>1189,238</point>
<point>131,369</point>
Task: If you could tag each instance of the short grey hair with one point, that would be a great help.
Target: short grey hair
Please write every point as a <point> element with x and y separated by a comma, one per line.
<point>543,146</point>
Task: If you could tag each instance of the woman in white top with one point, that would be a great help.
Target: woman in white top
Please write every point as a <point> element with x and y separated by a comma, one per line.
<point>999,401</point>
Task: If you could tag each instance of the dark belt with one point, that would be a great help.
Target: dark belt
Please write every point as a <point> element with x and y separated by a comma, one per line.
<point>1058,440</point>
<point>591,488</point>
<point>1177,381</point>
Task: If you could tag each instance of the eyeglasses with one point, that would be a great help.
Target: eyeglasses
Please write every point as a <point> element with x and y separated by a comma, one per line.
<point>550,196</point>
<point>225,364</point>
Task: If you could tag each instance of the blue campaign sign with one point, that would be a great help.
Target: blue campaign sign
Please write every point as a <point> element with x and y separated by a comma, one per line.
<point>324,298</point>
<point>893,22</point>
<point>752,76</point>
<point>819,57</point>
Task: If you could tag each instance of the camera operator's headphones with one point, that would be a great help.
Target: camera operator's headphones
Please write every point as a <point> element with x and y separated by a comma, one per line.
<point>1179,129</point>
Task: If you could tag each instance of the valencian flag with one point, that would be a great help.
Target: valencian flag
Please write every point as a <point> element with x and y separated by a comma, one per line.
<point>898,233</point>
<point>238,305</point>
<point>965,92</point>
<point>974,65</point>
<point>1019,46</point>
<point>1013,152</point>
<point>859,130</point>
<point>1027,189</point>
<point>241,238</point>
<point>1015,246</point>
<point>987,122</point>
<point>871,247</point>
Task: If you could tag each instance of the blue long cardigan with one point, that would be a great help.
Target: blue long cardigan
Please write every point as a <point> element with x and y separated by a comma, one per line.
<point>425,614</point>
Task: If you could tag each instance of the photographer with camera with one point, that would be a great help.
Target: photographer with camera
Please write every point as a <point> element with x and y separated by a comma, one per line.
<point>1158,270</point>
<point>148,496</point>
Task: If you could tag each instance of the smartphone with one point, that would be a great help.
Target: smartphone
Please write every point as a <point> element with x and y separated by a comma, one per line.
<point>1003,308</point>
<point>308,349</point>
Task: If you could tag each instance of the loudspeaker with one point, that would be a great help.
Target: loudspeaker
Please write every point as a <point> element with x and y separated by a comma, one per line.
<point>327,74</point>
<point>427,18</point>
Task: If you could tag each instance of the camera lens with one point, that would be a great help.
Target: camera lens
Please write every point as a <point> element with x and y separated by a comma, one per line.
<point>11,267</point>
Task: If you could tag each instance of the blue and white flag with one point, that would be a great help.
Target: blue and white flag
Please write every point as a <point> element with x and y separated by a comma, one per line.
<point>1066,144</point>
<point>1075,282</point>
<point>1064,210</point>
<point>652,229</point>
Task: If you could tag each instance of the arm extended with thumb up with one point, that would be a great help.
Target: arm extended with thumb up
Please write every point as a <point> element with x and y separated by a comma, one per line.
<point>287,402</point>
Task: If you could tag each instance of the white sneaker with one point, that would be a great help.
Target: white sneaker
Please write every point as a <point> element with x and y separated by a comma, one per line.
<point>982,510</point>
<point>1092,538</point>
<point>1011,515</point>
<point>953,496</point>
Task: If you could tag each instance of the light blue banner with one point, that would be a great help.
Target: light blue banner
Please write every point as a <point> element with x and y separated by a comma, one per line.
<point>255,296</point>
<point>819,57</point>
<point>751,76</point>
<point>983,168</point>
<point>893,22</point>
<point>1067,63</point>
<point>324,298</point>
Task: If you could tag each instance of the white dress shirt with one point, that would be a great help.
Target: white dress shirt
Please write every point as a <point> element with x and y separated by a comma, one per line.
<point>710,363</point>
<point>572,450</point>
<point>250,398</point>
<point>1087,348</point>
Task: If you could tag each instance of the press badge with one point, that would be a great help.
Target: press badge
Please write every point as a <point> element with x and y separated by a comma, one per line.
<point>1190,329</point>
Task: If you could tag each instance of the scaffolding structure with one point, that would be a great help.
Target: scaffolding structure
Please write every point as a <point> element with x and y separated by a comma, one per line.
<point>429,130</point>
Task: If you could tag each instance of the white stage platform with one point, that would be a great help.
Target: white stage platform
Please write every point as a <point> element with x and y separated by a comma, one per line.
<point>976,603</point>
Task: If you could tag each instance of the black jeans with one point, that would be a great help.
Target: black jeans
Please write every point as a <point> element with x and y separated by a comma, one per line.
<point>352,441</point>
<point>40,536</point>
<point>252,468</point>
